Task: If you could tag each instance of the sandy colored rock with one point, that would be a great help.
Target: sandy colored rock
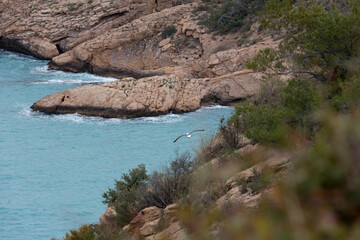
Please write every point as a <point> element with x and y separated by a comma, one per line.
<point>164,42</point>
<point>144,223</point>
<point>66,24</point>
<point>175,232</point>
<point>152,96</point>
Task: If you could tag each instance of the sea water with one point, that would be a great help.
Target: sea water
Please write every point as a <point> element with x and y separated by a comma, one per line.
<point>54,168</point>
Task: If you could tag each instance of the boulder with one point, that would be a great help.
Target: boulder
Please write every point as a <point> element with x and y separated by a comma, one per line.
<point>145,223</point>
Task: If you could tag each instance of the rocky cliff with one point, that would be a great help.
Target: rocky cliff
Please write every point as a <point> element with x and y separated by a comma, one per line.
<point>162,40</point>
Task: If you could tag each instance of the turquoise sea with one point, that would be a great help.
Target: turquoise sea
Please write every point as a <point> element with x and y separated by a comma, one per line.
<point>54,168</point>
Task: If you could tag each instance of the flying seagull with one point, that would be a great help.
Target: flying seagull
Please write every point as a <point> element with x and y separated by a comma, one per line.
<point>188,134</point>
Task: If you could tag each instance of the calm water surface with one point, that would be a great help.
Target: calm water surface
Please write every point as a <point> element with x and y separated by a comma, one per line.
<point>54,168</point>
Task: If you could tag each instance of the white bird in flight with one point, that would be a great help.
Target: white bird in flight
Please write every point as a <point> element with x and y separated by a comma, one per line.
<point>188,134</point>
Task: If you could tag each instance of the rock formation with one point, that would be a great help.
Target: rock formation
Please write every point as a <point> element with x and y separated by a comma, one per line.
<point>162,40</point>
<point>151,96</point>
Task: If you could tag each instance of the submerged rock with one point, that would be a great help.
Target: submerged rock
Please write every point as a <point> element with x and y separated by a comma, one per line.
<point>151,96</point>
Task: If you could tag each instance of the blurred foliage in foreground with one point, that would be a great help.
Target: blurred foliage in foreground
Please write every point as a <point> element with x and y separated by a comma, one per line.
<point>319,199</point>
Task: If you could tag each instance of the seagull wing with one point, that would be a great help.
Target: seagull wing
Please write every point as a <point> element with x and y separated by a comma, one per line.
<point>196,131</point>
<point>178,138</point>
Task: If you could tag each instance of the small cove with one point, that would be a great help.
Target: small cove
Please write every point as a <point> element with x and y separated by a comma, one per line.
<point>54,168</point>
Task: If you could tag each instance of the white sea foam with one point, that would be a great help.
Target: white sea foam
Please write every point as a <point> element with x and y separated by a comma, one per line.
<point>66,81</point>
<point>60,77</point>
<point>79,79</point>
<point>21,56</point>
<point>42,69</point>
<point>215,106</point>
<point>78,118</point>
<point>168,118</point>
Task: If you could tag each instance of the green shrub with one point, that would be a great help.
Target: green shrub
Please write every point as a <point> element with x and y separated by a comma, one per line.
<point>320,38</point>
<point>230,132</point>
<point>168,185</point>
<point>125,197</point>
<point>349,97</point>
<point>106,232</point>
<point>300,96</point>
<point>168,31</point>
<point>263,123</point>
<point>137,190</point>
<point>85,232</point>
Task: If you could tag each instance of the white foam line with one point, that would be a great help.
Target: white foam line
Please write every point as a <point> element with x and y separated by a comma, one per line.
<point>77,118</point>
<point>216,106</point>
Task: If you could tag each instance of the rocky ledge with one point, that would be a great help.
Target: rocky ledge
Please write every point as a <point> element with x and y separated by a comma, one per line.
<point>151,96</point>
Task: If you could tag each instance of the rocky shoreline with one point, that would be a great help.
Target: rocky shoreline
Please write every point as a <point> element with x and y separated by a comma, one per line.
<point>152,96</point>
<point>165,60</point>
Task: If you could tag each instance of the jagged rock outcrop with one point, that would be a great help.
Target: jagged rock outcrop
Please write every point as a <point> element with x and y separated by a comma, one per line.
<point>66,23</point>
<point>151,96</point>
<point>139,49</point>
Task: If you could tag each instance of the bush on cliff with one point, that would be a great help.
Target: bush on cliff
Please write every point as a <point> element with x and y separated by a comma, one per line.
<point>85,232</point>
<point>166,186</point>
<point>125,196</point>
<point>137,190</point>
<point>275,109</point>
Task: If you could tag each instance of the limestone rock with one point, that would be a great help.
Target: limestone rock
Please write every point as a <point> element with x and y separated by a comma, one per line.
<point>131,49</point>
<point>164,42</point>
<point>152,96</point>
<point>145,223</point>
<point>67,23</point>
<point>175,232</point>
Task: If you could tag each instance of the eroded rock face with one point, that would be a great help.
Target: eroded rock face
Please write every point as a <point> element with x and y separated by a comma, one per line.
<point>152,96</point>
<point>66,23</point>
<point>128,50</point>
<point>145,223</point>
<point>139,49</point>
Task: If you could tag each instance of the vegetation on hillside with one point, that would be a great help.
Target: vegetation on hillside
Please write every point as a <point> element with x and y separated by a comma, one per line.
<point>320,198</point>
<point>138,190</point>
<point>319,40</point>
